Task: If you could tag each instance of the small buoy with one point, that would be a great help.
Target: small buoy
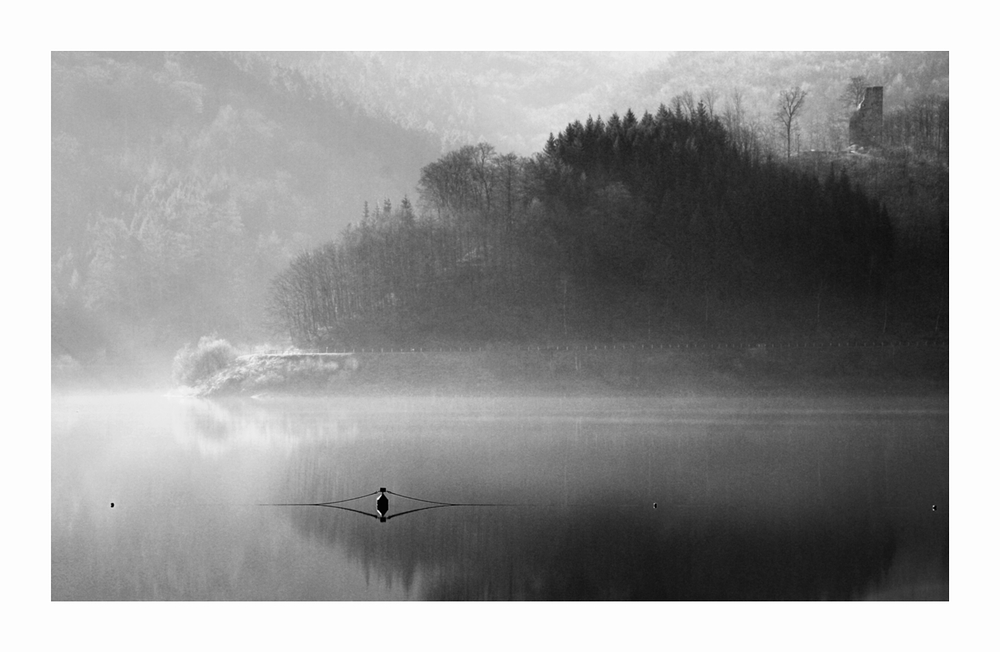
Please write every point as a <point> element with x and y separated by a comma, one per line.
<point>112,505</point>
<point>654,505</point>
<point>933,508</point>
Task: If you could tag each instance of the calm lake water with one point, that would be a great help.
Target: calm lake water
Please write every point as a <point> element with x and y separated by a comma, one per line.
<point>755,498</point>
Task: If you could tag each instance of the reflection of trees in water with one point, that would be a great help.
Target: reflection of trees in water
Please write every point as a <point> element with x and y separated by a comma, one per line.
<point>602,554</point>
<point>788,507</point>
<point>764,517</point>
<point>216,426</point>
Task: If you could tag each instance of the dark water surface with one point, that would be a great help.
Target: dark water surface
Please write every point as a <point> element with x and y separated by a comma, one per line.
<point>755,498</point>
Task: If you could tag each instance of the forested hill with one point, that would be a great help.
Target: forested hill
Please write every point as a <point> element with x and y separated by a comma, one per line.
<point>652,228</point>
<point>181,183</point>
<point>256,131</point>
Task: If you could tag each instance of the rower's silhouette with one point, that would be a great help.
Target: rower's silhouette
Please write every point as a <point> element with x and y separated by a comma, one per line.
<point>382,505</point>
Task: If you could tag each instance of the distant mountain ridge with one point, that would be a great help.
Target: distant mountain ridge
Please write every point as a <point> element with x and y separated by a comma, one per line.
<point>170,110</point>
<point>513,100</point>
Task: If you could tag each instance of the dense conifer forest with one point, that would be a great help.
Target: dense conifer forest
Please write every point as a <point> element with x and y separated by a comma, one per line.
<point>660,227</point>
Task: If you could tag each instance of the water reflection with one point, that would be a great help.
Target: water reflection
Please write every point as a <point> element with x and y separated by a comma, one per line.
<point>599,554</point>
<point>682,551</point>
<point>750,506</point>
<point>503,500</point>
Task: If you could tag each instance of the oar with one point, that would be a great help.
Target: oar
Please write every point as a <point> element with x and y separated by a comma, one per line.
<point>326,504</point>
<point>432,504</point>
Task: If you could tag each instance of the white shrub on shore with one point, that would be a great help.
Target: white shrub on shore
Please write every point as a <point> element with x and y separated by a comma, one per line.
<point>195,364</point>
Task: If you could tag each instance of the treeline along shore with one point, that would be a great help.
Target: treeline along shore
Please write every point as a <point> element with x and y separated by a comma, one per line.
<point>846,368</point>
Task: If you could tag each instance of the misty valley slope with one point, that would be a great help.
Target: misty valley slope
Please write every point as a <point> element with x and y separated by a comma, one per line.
<point>183,182</point>
<point>199,194</point>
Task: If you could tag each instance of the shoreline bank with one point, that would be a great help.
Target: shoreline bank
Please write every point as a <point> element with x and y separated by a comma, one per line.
<point>614,372</point>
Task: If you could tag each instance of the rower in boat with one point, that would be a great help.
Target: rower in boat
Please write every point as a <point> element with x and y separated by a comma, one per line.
<point>382,504</point>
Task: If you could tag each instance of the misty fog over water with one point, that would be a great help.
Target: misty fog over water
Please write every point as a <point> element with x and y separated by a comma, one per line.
<point>765,499</point>
<point>500,325</point>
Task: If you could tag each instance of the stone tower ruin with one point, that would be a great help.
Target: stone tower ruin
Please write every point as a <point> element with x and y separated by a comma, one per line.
<point>865,127</point>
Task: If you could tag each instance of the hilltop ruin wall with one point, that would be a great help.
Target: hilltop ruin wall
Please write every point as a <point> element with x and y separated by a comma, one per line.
<point>865,128</point>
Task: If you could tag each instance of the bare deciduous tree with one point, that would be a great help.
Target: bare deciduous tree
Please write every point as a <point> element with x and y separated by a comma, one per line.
<point>684,104</point>
<point>710,97</point>
<point>789,104</point>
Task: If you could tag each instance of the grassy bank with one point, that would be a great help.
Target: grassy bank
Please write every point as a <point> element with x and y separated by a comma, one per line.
<point>896,370</point>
